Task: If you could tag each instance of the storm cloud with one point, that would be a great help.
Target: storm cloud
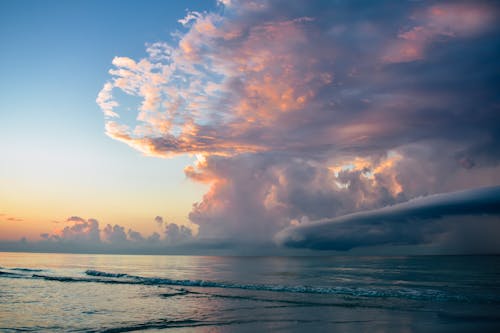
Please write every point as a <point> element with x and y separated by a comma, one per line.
<point>310,110</point>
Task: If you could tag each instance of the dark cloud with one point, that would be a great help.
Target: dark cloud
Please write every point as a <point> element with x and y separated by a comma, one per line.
<point>414,222</point>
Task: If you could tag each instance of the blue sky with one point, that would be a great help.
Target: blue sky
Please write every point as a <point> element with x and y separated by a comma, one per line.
<point>55,155</point>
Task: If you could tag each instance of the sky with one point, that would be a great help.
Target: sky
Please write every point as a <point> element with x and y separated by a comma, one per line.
<point>163,126</point>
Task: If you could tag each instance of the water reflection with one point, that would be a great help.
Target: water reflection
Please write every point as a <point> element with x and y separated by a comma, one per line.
<point>353,294</point>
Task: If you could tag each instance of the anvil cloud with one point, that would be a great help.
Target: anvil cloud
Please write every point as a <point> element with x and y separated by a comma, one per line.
<point>307,110</point>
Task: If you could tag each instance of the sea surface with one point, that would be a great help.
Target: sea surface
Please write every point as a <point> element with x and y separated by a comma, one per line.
<point>128,293</point>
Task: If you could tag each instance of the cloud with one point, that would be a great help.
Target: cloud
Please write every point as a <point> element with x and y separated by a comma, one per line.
<point>253,196</point>
<point>413,222</point>
<point>135,236</point>
<point>175,234</point>
<point>8,218</point>
<point>311,111</point>
<point>115,234</point>
<point>436,24</point>
<point>14,219</point>
<point>80,231</point>
<point>277,80</point>
<point>154,238</point>
<point>159,220</point>
<point>87,232</point>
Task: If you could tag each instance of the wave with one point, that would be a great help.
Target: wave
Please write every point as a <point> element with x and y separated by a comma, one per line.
<point>425,294</point>
<point>96,276</point>
<point>17,272</point>
<point>10,274</point>
<point>78,279</point>
<point>105,274</point>
<point>27,269</point>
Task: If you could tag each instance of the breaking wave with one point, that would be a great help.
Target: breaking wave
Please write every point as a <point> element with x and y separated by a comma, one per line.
<point>96,276</point>
<point>92,272</point>
<point>27,269</point>
<point>400,292</point>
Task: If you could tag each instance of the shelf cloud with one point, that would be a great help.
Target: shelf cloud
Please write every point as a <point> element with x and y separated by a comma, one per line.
<point>414,222</point>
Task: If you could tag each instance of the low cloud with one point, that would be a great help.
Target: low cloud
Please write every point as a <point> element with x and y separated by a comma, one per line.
<point>87,233</point>
<point>175,234</point>
<point>115,234</point>
<point>79,230</point>
<point>135,236</point>
<point>417,221</point>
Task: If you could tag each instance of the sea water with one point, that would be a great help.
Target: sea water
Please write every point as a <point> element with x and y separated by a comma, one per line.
<point>126,293</point>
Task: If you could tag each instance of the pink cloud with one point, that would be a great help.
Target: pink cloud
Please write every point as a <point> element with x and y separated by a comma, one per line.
<point>192,119</point>
<point>436,23</point>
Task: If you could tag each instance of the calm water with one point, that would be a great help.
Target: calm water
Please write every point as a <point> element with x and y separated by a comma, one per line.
<point>119,293</point>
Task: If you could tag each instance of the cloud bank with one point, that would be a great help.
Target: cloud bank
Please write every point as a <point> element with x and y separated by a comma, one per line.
<point>308,110</point>
<point>414,222</point>
<point>87,233</point>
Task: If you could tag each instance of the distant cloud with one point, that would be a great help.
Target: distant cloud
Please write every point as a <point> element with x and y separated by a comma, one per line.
<point>115,234</point>
<point>8,218</point>
<point>175,234</point>
<point>154,237</point>
<point>159,221</point>
<point>315,111</point>
<point>15,219</point>
<point>87,233</point>
<point>135,236</point>
<point>80,230</point>
<point>414,222</point>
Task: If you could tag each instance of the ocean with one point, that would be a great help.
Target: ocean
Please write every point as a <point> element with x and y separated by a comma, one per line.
<point>130,293</point>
